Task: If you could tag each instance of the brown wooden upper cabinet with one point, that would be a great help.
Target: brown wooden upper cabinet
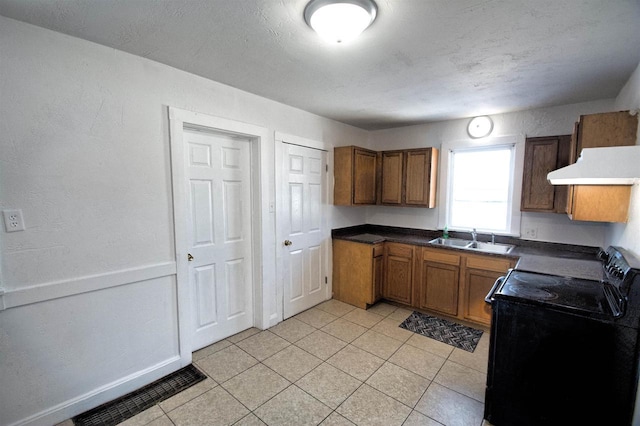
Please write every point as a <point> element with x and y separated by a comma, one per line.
<point>409,177</point>
<point>541,156</point>
<point>601,203</point>
<point>355,176</point>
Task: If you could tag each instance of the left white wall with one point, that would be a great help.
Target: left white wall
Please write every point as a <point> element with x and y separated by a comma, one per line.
<point>90,284</point>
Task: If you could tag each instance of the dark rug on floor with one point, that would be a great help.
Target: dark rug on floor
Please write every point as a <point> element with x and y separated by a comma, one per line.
<point>448,332</point>
<point>121,409</point>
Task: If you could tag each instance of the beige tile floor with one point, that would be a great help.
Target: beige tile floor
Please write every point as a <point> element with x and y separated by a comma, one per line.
<point>331,365</point>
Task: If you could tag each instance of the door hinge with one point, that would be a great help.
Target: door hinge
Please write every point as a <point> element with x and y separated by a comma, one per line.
<point>326,167</point>
<point>325,280</point>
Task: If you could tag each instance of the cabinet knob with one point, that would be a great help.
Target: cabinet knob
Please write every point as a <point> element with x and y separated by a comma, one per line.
<point>287,243</point>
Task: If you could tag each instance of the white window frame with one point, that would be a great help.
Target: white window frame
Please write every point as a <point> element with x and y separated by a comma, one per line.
<point>515,189</point>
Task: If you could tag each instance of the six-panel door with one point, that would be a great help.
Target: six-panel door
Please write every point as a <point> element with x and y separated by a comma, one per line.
<point>304,258</point>
<point>218,172</point>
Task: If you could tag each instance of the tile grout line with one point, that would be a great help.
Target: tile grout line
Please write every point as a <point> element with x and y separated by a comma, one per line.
<point>364,382</point>
<point>290,383</point>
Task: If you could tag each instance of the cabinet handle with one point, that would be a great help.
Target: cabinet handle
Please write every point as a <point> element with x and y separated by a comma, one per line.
<point>287,243</point>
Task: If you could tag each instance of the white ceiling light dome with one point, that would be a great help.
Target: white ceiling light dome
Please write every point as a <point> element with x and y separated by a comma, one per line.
<point>480,127</point>
<point>340,21</point>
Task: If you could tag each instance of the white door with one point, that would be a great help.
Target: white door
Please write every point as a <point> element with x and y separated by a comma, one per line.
<point>218,172</point>
<point>304,260</point>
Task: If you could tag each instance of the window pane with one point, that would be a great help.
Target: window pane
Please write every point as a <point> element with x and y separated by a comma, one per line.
<point>479,195</point>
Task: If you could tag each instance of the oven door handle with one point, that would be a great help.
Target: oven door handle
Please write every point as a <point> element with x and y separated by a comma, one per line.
<point>497,284</point>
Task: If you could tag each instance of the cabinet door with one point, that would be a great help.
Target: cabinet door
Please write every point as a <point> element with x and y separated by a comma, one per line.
<point>543,155</point>
<point>353,272</point>
<point>607,129</point>
<point>392,177</point>
<point>540,158</point>
<point>364,177</point>
<point>480,273</point>
<point>398,271</point>
<point>600,203</point>
<point>418,173</point>
<point>477,284</point>
<point>439,287</point>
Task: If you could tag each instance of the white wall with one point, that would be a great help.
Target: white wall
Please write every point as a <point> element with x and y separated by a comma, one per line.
<point>539,122</point>
<point>628,235</point>
<point>90,285</point>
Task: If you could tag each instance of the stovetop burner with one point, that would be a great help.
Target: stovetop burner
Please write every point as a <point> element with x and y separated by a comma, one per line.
<point>536,279</point>
<point>578,283</point>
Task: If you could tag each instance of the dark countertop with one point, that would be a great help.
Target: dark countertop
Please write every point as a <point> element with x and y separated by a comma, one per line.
<point>535,256</point>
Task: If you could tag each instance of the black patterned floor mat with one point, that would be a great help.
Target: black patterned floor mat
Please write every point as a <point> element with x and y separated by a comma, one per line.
<point>451,333</point>
<point>127,406</point>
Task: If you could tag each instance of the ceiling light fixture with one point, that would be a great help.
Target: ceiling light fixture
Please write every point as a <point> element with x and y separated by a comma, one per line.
<point>480,127</point>
<point>339,21</point>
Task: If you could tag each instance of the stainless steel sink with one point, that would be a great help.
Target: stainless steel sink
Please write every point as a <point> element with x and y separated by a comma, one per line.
<point>491,248</point>
<point>453,242</point>
<point>473,245</point>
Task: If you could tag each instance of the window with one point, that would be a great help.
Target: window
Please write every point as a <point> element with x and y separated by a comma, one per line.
<point>480,188</point>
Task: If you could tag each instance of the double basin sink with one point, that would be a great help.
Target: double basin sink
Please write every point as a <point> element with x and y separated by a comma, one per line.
<point>473,245</point>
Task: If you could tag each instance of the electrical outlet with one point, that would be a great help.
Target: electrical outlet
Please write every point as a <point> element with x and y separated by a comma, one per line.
<point>13,220</point>
<point>530,233</point>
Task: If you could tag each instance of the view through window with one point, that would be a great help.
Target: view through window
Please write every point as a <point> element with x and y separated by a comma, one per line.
<point>480,188</point>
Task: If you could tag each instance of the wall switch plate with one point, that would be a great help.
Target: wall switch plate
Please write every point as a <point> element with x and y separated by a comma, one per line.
<point>13,220</point>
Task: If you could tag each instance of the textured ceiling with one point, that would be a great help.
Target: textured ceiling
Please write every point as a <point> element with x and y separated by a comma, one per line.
<point>421,60</point>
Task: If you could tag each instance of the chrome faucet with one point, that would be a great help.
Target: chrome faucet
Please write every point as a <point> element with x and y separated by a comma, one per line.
<point>474,235</point>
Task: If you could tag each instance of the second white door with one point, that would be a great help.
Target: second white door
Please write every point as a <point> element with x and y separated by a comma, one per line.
<point>218,172</point>
<point>304,260</point>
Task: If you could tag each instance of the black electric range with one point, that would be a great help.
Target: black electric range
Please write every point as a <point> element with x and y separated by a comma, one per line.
<point>564,350</point>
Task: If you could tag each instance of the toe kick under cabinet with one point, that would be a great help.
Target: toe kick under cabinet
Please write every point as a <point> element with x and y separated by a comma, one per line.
<point>449,282</point>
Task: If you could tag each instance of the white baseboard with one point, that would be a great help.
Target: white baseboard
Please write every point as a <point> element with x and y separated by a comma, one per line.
<point>103,394</point>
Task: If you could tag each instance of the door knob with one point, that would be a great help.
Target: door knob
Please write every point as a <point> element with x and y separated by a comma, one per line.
<point>189,257</point>
<point>287,243</point>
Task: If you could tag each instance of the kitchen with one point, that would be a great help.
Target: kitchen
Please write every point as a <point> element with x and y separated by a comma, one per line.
<point>79,120</point>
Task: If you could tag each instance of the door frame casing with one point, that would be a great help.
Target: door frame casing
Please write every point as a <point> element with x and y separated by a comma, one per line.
<point>259,137</point>
<point>280,139</point>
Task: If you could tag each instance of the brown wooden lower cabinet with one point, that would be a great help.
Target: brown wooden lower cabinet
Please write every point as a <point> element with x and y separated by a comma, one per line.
<point>480,273</point>
<point>477,284</point>
<point>450,282</point>
<point>357,272</point>
<point>438,281</point>
<point>398,272</point>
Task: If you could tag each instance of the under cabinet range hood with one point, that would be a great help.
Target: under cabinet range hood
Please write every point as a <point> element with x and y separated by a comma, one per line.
<point>618,165</point>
